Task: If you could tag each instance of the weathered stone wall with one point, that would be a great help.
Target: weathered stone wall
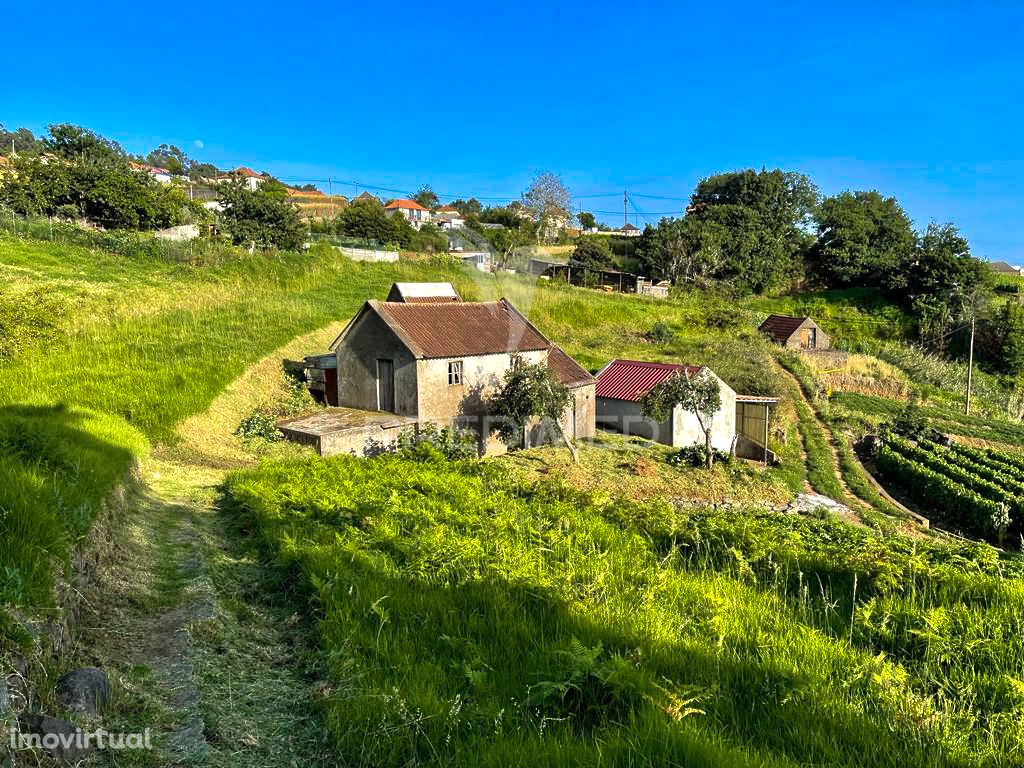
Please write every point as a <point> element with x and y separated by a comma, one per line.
<point>371,339</point>
<point>466,404</point>
<point>584,406</point>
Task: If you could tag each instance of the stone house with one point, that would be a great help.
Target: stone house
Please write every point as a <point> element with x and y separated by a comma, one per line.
<point>439,362</point>
<point>739,427</point>
<point>794,332</point>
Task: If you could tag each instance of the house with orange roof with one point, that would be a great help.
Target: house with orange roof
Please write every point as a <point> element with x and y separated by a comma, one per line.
<point>412,211</point>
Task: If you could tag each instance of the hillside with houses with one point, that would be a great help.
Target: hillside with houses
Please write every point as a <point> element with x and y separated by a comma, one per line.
<point>290,476</point>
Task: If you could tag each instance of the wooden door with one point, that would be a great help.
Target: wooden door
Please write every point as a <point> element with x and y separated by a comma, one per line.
<point>804,337</point>
<point>386,385</point>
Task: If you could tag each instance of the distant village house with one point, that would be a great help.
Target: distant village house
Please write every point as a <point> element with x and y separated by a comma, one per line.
<point>412,211</point>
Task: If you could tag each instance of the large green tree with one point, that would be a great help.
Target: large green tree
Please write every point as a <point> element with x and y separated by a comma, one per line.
<point>261,217</point>
<point>686,251</point>
<point>365,218</point>
<point>426,197</point>
<point>940,281</point>
<point>80,145</point>
<point>593,252</point>
<point>862,238</point>
<point>170,157</point>
<point>20,140</point>
<point>763,220</point>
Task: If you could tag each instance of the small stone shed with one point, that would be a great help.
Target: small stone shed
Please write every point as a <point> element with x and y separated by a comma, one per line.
<point>439,362</point>
<point>794,332</point>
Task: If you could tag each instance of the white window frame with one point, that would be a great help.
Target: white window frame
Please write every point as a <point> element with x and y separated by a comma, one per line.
<point>455,370</point>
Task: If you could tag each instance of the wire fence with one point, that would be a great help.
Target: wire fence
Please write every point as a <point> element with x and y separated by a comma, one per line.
<point>130,244</point>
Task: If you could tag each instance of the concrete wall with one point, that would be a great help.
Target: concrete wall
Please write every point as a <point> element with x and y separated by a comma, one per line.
<point>367,254</point>
<point>371,339</point>
<point>367,441</point>
<point>466,404</point>
<point>686,428</point>
<point>626,418</point>
<point>584,406</point>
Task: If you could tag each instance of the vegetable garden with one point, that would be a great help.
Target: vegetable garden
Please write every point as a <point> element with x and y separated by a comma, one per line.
<point>979,490</point>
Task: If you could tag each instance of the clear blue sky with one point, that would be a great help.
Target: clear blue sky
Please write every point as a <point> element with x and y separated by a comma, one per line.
<point>922,101</point>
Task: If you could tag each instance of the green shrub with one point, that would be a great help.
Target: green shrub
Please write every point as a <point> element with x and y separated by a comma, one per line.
<point>259,425</point>
<point>661,333</point>
<point>695,456</point>
<point>452,443</point>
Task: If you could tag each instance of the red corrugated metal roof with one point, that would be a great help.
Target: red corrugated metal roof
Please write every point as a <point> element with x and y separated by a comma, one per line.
<point>454,329</point>
<point>631,379</point>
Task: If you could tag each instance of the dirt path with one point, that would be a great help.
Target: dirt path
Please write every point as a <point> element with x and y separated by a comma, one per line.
<point>184,621</point>
<point>851,499</point>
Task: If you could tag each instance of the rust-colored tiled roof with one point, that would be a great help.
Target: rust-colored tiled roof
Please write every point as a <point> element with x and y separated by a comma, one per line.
<point>411,205</point>
<point>567,370</point>
<point>456,329</point>
<point>781,327</point>
<point>631,379</point>
<point>243,171</point>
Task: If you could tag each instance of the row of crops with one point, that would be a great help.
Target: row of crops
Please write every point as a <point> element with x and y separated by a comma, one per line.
<point>979,491</point>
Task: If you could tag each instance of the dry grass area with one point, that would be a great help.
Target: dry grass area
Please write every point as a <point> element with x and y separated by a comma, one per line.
<point>863,374</point>
<point>638,469</point>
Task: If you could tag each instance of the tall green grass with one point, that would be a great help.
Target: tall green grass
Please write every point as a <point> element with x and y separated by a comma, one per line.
<point>467,619</point>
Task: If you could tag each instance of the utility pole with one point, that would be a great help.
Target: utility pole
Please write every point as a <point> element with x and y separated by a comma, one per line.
<point>970,366</point>
<point>625,209</point>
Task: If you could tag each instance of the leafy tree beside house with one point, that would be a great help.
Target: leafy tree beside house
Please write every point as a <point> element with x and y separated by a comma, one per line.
<point>697,394</point>
<point>529,390</point>
<point>426,197</point>
<point>586,220</point>
<point>366,218</point>
<point>262,217</point>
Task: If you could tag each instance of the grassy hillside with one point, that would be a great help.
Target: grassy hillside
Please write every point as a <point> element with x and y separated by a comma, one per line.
<point>473,619</point>
<point>488,607</point>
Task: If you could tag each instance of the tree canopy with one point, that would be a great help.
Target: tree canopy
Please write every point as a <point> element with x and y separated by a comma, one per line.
<point>261,217</point>
<point>762,221</point>
<point>686,251</point>
<point>862,238</point>
<point>426,197</point>
<point>593,252</point>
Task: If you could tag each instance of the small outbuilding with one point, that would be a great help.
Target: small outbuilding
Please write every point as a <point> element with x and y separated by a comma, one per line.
<point>427,357</point>
<point>794,332</point>
<point>423,293</point>
<point>739,427</point>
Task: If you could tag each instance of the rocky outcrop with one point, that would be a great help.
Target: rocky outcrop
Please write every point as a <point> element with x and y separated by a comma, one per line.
<point>84,690</point>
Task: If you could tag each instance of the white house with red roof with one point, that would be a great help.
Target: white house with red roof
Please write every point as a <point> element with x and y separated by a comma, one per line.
<point>250,178</point>
<point>740,426</point>
<point>159,174</point>
<point>413,212</point>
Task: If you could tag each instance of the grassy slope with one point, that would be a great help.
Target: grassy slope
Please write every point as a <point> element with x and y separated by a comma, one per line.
<point>470,620</point>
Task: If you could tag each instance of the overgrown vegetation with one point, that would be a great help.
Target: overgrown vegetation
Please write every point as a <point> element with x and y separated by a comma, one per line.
<point>469,619</point>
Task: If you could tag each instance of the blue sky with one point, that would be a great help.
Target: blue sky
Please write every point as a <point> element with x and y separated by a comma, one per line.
<point>922,101</point>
